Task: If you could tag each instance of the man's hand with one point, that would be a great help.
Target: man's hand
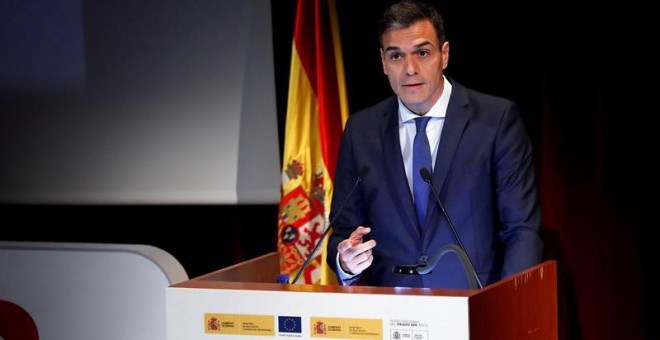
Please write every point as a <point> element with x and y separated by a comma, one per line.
<point>354,255</point>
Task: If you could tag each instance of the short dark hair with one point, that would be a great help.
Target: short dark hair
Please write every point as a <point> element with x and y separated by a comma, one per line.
<point>405,13</point>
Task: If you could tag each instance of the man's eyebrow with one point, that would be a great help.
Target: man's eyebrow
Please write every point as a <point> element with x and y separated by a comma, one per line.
<point>418,46</point>
<point>424,44</point>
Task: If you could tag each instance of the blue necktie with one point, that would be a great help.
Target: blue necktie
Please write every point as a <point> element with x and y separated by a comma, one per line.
<point>421,159</point>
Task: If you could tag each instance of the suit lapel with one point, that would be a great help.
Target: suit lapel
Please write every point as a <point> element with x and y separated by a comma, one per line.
<point>396,173</point>
<point>455,122</point>
<point>454,126</point>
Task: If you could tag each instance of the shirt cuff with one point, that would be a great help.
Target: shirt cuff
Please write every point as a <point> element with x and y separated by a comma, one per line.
<point>345,278</point>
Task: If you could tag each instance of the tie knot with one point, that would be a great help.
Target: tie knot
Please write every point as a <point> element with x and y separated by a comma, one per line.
<point>421,123</point>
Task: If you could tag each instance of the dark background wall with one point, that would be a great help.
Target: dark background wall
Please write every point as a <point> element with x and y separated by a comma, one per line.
<point>576,75</point>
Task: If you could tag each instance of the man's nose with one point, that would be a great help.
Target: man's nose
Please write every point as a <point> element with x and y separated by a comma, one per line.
<point>411,67</point>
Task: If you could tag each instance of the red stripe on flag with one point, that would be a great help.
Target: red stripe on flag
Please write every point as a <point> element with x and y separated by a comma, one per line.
<point>314,43</point>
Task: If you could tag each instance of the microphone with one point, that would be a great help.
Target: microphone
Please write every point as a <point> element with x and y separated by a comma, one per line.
<point>362,173</point>
<point>461,252</point>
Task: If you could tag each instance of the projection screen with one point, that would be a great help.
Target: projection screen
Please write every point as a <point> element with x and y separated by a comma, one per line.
<point>127,102</point>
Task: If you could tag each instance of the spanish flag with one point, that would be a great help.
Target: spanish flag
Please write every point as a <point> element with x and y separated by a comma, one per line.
<point>317,110</point>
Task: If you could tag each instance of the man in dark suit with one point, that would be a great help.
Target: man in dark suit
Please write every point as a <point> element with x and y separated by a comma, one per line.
<point>481,169</point>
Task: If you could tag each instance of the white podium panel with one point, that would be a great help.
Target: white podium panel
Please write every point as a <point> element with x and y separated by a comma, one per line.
<point>202,313</point>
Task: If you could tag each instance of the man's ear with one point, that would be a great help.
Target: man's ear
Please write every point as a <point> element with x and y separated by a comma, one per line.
<point>445,54</point>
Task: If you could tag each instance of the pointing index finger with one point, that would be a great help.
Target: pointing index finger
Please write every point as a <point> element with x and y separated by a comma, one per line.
<point>360,231</point>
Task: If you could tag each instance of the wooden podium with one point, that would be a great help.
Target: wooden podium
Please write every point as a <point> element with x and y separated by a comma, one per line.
<point>245,302</point>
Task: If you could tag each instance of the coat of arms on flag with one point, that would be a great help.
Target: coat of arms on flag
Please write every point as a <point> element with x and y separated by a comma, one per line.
<point>301,221</point>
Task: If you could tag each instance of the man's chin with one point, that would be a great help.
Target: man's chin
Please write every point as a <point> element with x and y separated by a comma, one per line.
<point>414,104</point>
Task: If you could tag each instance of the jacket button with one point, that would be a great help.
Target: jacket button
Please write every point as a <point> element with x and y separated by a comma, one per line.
<point>423,259</point>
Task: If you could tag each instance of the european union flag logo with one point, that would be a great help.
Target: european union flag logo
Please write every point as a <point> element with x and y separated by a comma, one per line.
<point>290,324</point>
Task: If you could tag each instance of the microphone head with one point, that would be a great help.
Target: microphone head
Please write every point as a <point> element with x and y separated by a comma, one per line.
<point>406,269</point>
<point>425,173</point>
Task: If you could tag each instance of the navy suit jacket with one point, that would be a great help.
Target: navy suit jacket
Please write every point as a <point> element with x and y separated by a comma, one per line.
<point>484,176</point>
